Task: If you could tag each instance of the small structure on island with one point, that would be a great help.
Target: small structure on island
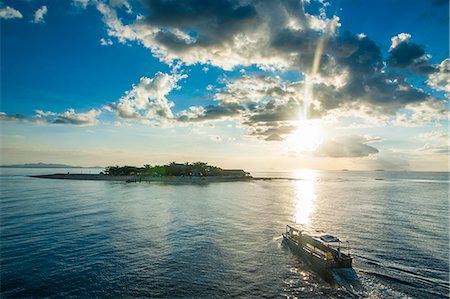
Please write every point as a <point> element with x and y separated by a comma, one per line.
<point>235,172</point>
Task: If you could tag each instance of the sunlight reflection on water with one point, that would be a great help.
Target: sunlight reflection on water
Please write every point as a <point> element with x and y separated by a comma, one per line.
<point>305,195</point>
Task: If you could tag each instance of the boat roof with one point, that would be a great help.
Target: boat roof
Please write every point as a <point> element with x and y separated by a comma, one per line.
<point>319,235</point>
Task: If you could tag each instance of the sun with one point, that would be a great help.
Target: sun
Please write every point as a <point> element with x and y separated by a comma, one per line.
<point>308,135</point>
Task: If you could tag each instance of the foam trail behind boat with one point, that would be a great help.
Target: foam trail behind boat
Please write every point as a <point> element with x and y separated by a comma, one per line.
<point>349,280</point>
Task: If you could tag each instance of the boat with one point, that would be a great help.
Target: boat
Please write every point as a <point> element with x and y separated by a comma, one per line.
<point>321,250</point>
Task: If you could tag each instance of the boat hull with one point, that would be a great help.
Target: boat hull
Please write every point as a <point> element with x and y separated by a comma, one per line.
<point>315,260</point>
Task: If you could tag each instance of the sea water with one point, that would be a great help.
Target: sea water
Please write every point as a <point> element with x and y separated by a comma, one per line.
<point>98,239</point>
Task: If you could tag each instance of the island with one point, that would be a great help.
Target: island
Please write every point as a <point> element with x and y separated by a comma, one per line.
<point>198,172</point>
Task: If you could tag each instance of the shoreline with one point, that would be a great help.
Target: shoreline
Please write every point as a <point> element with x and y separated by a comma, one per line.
<point>137,179</point>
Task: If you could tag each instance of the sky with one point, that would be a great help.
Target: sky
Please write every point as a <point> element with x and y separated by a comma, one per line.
<point>259,85</point>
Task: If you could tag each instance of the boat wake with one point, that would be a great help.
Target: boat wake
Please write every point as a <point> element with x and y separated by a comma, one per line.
<point>347,280</point>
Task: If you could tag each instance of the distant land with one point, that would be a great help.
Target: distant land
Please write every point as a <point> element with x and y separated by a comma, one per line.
<point>44,165</point>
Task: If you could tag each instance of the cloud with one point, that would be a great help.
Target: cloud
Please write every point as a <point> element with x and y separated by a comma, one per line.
<point>434,136</point>
<point>403,54</point>
<point>344,75</point>
<point>224,33</point>
<point>9,13</point>
<point>69,117</point>
<point>147,100</point>
<point>39,15</point>
<point>440,80</point>
<point>277,35</point>
<point>81,3</point>
<point>9,118</point>
<point>435,149</point>
<point>273,132</point>
<point>346,147</point>
<point>105,42</point>
<point>423,113</point>
<point>437,142</point>
<point>209,112</point>
<point>122,3</point>
<point>265,105</point>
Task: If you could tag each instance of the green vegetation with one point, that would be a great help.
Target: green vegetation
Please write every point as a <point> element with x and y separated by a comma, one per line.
<point>174,169</point>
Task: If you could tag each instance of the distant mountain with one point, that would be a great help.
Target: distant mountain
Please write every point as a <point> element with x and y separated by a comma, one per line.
<point>43,165</point>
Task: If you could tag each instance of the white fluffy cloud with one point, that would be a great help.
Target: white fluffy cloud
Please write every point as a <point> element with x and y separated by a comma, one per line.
<point>147,100</point>
<point>9,13</point>
<point>398,39</point>
<point>441,79</point>
<point>40,14</point>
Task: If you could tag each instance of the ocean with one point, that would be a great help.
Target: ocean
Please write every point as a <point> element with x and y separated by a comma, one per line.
<point>98,239</point>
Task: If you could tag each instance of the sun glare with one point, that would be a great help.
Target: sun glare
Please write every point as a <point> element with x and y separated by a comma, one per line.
<point>308,135</point>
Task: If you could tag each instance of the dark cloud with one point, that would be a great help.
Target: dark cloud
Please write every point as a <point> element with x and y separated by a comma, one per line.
<point>210,22</point>
<point>405,54</point>
<point>367,81</point>
<point>365,60</point>
<point>297,41</point>
<point>345,147</point>
<point>210,112</point>
<point>343,45</point>
<point>408,55</point>
<point>271,132</point>
<point>282,112</point>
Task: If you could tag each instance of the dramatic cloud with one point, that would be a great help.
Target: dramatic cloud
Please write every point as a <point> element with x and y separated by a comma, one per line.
<point>346,147</point>
<point>147,100</point>
<point>266,106</point>
<point>39,15</point>
<point>342,75</point>
<point>407,55</point>
<point>222,33</point>
<point>344,70</point>
<point>9,13</point>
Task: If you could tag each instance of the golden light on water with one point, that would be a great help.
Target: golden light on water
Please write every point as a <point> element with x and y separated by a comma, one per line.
<point>305,195</point>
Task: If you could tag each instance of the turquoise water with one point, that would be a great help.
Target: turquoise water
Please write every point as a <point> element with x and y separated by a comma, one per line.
<point>111,239</point>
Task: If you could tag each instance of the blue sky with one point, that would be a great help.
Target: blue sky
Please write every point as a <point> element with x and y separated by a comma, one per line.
<point>253,84</point>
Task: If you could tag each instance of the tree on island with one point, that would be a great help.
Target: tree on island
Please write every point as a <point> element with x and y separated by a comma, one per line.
<point>174,169</point>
